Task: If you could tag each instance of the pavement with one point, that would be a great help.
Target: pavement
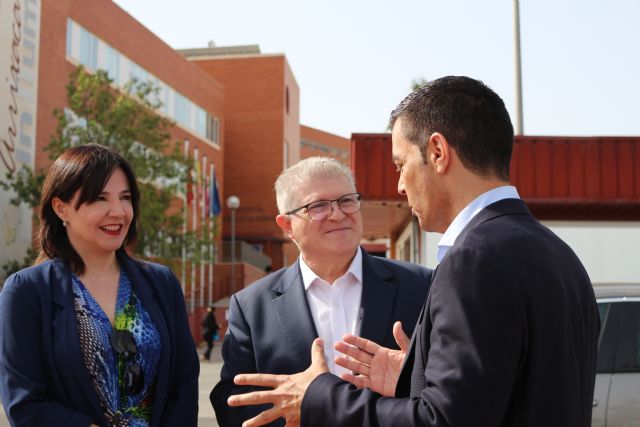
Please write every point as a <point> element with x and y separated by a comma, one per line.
<point>209,376</point>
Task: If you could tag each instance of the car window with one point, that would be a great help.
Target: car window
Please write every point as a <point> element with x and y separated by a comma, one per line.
<point>628,352</point>
<point>610,316</point>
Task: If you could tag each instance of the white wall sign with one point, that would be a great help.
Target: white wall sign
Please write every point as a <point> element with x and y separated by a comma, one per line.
<point>19,54</point>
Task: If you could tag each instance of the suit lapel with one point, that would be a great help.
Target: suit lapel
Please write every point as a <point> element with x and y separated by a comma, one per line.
<point>404,380</point>
<point>65,333</point>
<point>292,309</point>
<point>378,296</point>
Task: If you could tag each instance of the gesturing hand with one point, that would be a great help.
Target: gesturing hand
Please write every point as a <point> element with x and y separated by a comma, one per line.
<point>287,393</point>
<point>374,366</point>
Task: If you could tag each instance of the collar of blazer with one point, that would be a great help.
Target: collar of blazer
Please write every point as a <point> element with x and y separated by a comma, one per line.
<point>495,210</point>
<point>377,302</point>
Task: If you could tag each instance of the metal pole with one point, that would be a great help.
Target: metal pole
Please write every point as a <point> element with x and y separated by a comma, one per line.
<point>518,67</point>
<point>233,251</point>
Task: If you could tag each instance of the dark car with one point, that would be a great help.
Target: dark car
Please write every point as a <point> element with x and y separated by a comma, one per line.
<point>616,399</point>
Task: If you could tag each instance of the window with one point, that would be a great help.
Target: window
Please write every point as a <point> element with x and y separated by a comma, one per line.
<point>628,351</point>
<point>181,109</point>
<point>88,50</point>
<point>213,129</point>
<point>112,63</point>
<point>85,48</point>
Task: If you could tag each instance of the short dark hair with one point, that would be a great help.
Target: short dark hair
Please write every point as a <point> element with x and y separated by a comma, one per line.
<point>469,114</point>
<point>85,168</point>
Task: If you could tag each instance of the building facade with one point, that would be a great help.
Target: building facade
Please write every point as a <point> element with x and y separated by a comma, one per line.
<point>48,40</point>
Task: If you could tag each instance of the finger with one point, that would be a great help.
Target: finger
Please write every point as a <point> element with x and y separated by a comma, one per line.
<point>353,352</point>
<point>352,365</point>
<point>401,338</point>
<point>359,381</point>
<point>361,343</point>
<point>264,417</point>
<point>262,380</point>
<point>253,398</point>
<point>317,354</point>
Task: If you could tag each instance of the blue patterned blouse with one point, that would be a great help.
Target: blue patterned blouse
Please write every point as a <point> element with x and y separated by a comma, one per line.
<point>106,368</point>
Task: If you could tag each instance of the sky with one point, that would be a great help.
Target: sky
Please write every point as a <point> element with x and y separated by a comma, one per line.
<point>355,60</point>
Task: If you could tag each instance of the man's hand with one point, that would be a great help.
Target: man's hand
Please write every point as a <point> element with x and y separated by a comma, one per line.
<point>287,393</point>
<point>375,367</point>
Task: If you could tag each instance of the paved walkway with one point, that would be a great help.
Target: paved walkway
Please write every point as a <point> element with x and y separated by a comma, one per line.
<point>209,376</point>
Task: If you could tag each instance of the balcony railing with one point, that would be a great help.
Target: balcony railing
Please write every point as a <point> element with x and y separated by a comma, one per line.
<point>244,253</point>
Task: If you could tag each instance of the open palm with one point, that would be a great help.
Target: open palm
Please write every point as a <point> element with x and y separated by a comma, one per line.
<point>373,366</point>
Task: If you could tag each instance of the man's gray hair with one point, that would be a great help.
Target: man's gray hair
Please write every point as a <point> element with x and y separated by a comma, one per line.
<point>292,178</point>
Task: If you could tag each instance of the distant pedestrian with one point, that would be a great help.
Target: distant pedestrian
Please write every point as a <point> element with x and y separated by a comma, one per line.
<point>209,331</point>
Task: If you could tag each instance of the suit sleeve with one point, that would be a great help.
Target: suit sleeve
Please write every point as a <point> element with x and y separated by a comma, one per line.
<point>474,347</point>
<point>239,358</point>
<point>24,383</point>
<point>181,407</point>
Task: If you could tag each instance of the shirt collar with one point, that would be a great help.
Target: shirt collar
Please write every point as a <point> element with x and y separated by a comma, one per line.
<point>466,215</point>
<point>309,276</point>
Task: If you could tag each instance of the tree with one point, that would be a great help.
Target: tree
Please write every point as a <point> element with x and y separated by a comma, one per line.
<point>419,82</point>
<point>126,121</point>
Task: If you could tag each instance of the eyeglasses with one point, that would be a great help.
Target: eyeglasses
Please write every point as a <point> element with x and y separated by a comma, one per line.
<point>322,209</point>
<point>124,345</point>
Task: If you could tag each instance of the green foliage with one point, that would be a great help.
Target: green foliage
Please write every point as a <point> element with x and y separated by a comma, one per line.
<point>12,266</point>
<point>419,82</point>
<point>126,121</point>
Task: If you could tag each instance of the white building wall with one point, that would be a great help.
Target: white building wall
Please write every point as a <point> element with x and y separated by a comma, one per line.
<point>609,250</point>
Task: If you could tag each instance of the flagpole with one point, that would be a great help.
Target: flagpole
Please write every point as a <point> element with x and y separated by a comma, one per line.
<point>210,236</point>
<point>194,219</point>
<point>185,206</point>
<point>203,200</point>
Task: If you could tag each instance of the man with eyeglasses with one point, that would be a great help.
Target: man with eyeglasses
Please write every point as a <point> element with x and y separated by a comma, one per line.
<point>333,289</point>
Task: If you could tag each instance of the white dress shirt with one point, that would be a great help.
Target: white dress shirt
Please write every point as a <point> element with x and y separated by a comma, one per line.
<point>464,217</point>
<point>335,308</point>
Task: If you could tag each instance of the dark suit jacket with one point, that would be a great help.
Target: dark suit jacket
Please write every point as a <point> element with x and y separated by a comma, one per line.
<point>271,329</point>
<point>43,379</point>
<point>508,337</point>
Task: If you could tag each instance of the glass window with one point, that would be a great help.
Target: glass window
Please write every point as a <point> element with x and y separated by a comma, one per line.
<point>610,316</point>
<point>112,63</point>
<point>628,352</point>
<point>138,73</point>
<point>181,109</point>
<point>69,37</point>
<point>212,129</point>
<point>88,49</point>
<point>201,122</point>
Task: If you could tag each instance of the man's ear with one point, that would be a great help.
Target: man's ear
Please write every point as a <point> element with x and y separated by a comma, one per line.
<point>284,222</point>
<point>439,152</point>
<point>60,208</point>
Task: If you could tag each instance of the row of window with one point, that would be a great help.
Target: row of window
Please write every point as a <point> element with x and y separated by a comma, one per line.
<point>93,53</point>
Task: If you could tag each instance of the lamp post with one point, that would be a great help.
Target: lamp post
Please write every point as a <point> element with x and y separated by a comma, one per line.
<point>233,203</point>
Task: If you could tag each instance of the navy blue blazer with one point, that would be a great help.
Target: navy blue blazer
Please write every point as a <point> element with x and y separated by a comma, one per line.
<point>508,337</point>
<point>271,329</point>
<point>43,379</point>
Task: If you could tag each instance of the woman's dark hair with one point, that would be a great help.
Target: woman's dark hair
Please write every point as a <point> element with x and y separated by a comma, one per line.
<point>85,168</point>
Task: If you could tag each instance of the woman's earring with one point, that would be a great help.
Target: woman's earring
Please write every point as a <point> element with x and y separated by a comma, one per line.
<point>64,223</point>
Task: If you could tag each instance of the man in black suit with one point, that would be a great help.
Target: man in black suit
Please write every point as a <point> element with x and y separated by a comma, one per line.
<point>333,288</point>
<point>508,334</point>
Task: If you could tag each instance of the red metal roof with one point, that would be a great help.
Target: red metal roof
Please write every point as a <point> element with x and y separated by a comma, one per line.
<point>559,177</point>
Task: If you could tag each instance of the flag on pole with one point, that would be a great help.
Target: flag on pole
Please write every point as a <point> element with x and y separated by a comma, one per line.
<point>214,206</point>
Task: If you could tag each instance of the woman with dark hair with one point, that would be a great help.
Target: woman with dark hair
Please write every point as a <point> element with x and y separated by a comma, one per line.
<point>89,335</point>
